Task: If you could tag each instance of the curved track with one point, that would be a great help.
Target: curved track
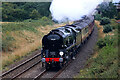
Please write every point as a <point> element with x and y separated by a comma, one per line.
<point>54,75</point>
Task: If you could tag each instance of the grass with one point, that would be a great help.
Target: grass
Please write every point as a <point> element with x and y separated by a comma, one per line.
<point>28,25</point>
<point>104,63</point>
<point>22,38</point>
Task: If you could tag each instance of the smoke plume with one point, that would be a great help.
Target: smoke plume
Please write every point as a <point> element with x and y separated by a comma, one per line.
<point>72,10</point>
<point>116,1</point>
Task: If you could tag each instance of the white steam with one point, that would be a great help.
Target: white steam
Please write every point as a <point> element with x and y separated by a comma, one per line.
<point>72,10</point>
<point>116,1</point>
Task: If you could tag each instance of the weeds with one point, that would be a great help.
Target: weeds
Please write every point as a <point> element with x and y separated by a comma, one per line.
<point>27,25</point>
<point>7,43</point>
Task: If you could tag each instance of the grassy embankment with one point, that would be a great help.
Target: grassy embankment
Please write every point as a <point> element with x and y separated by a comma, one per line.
<point>21,38</point>
<point>104,62</point>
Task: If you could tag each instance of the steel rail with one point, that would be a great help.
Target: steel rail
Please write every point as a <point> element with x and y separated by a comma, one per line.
<point>59,72</point>
<point>39,75</point>
<point>26,70</point>
<point>12,69</point>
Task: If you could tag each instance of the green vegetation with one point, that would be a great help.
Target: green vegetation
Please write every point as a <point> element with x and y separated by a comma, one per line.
<point>98,17</point>
<point>24,24</point>
<point>113,24</point>
<point>107,10</point>
<point>28,25</point>
<point>105,41</point>
<point>14,11</point>
<point>104,64</point>
<point>104,21</point>
<point>118,16</point>
<point>107,28</point>
<point>7,42</point>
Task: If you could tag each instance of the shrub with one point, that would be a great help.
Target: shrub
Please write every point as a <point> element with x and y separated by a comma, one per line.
<point>44,18</point>
<point>107,28</point>
<point>7,43</point>
<point>101,43</point>
<point>98,17</point>
<point>114,24</point>
<point>118,16</point>
<point>104,21</point>
<point>105,41</point>
<point>45,21</point>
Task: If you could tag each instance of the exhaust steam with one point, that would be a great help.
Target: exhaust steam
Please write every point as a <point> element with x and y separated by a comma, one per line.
<point>71,10</point>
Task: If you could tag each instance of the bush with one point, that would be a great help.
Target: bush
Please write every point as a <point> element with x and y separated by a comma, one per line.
<point>114,24</point>
<point>98,17</point>
<point>101,43</point>
<point>118,16</point>
<point>105,41</point>
<point>107,28</point>
<point>44,18</point>
<point>104,21</point>
<point>45,21</point>
<point>7,43</point>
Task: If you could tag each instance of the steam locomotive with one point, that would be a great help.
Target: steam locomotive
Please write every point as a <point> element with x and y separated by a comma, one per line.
<point>60,44</point>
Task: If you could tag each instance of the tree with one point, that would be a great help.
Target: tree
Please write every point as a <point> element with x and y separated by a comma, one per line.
<point>98,17</point>
<point>19,11</point>
<point>107,9</point>
<point>107,28</point>
<point>104,21</point>
<point>118,16</point>
<point>34,14</point>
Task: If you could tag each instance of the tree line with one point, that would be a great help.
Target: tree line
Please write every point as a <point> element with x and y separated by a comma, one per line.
<point>108,10</point>
<point>19,11</point>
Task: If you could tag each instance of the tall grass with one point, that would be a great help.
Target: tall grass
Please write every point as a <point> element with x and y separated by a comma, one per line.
<point>105,65</point>
<point>22,38</point>
<point>27,25</point>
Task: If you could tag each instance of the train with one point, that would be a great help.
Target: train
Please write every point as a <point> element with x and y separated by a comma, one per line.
<point>60,45</point>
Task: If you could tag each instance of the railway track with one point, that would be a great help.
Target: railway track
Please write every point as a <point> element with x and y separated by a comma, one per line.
<point>22,68</point>
<point>55,75</point>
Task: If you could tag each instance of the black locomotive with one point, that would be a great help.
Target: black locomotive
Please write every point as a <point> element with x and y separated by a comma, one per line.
<point>60,45</point>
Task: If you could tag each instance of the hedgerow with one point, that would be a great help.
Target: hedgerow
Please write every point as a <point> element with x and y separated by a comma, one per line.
<point>107,28</point>
<point>104,21</point>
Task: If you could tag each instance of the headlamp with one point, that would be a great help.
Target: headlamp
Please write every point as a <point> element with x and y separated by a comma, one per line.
<point>61,53</point>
